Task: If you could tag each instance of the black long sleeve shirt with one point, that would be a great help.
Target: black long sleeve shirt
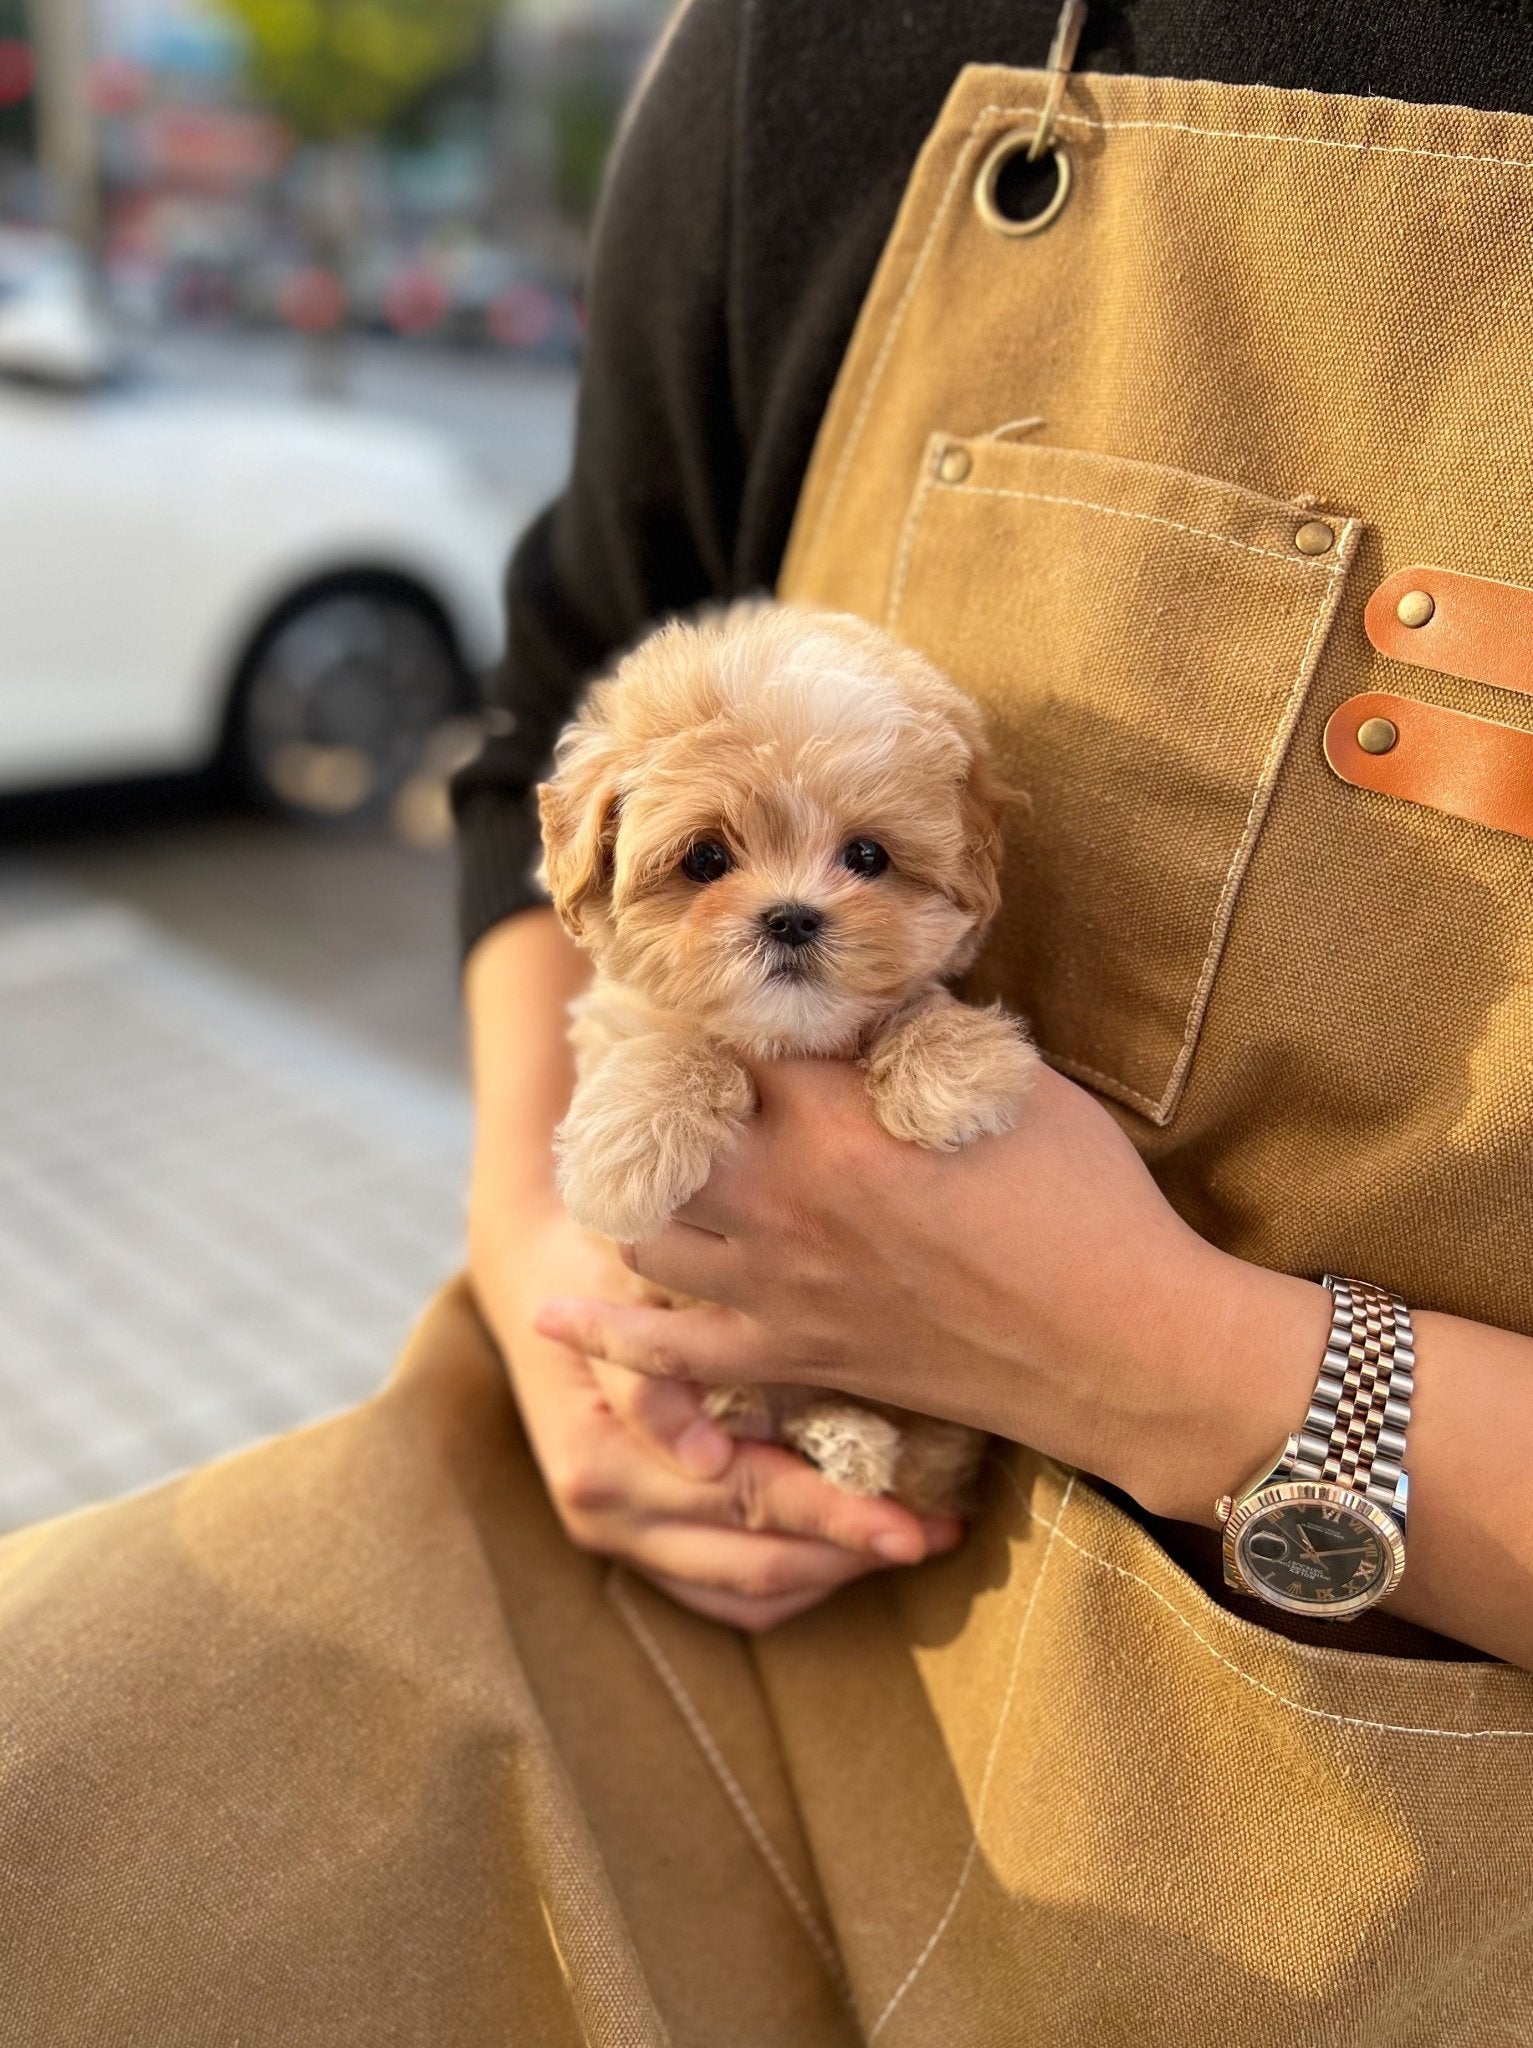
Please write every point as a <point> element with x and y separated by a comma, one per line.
<point>749,199</point>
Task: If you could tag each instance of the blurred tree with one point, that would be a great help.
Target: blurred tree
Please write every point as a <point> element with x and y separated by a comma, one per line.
<point>584,111</point>
<point>340,73</point>
<point>343,68</point>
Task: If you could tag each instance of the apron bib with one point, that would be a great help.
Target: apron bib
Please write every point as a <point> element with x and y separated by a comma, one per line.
<point>1131,481</point>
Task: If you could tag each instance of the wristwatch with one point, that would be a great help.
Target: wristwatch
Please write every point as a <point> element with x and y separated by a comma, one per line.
<point>1322,1532</point>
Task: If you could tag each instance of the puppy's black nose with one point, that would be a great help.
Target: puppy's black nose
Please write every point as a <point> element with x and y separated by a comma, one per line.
<point>793,924</point>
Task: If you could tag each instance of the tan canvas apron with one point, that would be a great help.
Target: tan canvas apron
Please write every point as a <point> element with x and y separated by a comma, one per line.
<point>1131,480</point>
<point>340,1743</point>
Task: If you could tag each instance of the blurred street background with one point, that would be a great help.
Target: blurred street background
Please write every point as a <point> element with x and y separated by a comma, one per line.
<point>290,325</point>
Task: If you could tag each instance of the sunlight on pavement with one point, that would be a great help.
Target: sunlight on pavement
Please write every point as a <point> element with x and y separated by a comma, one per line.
<point>218,1217</point>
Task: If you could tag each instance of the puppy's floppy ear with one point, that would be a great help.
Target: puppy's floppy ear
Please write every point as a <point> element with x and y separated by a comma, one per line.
<point>985,801</point>
<point>579,810</point>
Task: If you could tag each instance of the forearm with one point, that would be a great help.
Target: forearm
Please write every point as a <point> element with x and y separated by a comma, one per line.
<point>518,985</point>
<point>1469,1571</point>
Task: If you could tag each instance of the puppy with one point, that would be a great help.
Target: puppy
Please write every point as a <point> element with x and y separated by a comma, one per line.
<point>777,833</point>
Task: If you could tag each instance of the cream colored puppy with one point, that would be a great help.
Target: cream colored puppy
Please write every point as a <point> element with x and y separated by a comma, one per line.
<point>777,833</point>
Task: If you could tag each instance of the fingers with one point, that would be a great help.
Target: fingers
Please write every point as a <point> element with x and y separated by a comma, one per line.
<point>712,1346</point>
<point>736,1610</point>
<point>666,1417</point>
<point>767,1488</point>
<point>748,1567</point>
<point>763,1539</point>
<point>756,1581</point>
<point>721,1207</point>
<point>612,1490</point>
<point>685,1260</point>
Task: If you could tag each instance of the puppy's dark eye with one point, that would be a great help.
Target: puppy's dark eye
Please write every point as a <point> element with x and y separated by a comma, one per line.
<point>864,857</point>
<point>705,860</point>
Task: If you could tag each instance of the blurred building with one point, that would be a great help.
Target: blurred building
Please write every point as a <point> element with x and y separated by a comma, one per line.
<point>463,219</point>
<point>566,69</point>
<point>17,133</point>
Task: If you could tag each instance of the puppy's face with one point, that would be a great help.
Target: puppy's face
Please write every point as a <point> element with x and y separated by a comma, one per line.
<point>775,826</point>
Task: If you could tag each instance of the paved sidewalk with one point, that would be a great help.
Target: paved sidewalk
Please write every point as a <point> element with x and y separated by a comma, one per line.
<point>354,929</point>
<point>218,1215</point>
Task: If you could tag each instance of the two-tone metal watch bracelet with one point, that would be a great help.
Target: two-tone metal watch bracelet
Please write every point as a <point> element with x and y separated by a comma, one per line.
<point>1354,1432</point>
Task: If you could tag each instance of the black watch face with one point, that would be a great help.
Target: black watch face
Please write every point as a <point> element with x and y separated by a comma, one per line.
<point>1315,1555</point>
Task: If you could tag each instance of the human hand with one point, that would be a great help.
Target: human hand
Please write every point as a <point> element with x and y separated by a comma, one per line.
<point>746,1534</point>
<point>1037,1285</point>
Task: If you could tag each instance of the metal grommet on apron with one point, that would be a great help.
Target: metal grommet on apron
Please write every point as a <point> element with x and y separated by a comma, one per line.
<point>989,200</point>
<point>1007,212</point>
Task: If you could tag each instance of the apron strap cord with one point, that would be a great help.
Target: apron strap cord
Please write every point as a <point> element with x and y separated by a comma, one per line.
<point>1067,36</point>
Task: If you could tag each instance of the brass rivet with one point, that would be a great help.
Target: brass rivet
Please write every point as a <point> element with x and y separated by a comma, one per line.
<point>953,465</point>
<point>1415,608</point>
<point>1377,735</point>
<point>1314,537</point>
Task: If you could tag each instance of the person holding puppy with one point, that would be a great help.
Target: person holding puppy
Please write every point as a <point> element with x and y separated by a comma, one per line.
<point>1151,553</point>
<point>1167,395</point>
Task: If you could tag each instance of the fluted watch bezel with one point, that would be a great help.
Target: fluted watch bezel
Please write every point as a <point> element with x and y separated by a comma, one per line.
<point>1258,1507</point>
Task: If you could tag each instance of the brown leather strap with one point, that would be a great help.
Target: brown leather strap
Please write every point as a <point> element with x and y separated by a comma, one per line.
<point>1469,767</point>
<point>1476,628</point>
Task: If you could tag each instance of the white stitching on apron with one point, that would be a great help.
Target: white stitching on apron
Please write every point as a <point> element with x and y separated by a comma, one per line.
<point>995,1745</point>
<point>734,1791</point>
<point>897,317</point>
<point>1121,1571</point>
<point>1259,1685</point>
<point>1227,540</point>
<point>907,543</point>
<point>1440,156</point>
<point>1282,1699</point>
<point>897,320</point>
<point>1261,797</point>
<point>918,499</point>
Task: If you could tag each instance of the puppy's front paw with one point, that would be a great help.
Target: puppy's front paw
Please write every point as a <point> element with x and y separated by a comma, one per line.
<point>946,1074</point>
<point>853,1447</point>
<point>642,1132</point>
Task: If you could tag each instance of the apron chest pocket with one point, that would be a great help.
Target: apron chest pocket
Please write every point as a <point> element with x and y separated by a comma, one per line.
<point>1142,641</point>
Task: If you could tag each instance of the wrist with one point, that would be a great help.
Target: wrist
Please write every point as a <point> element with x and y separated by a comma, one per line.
<point>1245,1356</point>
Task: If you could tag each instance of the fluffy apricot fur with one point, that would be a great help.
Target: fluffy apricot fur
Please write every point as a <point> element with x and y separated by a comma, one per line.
<point>783,742</point>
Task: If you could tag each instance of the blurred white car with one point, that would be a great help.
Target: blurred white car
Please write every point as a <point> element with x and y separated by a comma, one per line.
<point>304,592</point>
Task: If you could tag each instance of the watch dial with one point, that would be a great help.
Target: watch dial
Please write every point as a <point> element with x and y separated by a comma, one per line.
<point>1313,1553</point>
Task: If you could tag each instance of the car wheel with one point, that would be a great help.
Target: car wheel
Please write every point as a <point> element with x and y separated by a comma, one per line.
<point>338,702</point>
